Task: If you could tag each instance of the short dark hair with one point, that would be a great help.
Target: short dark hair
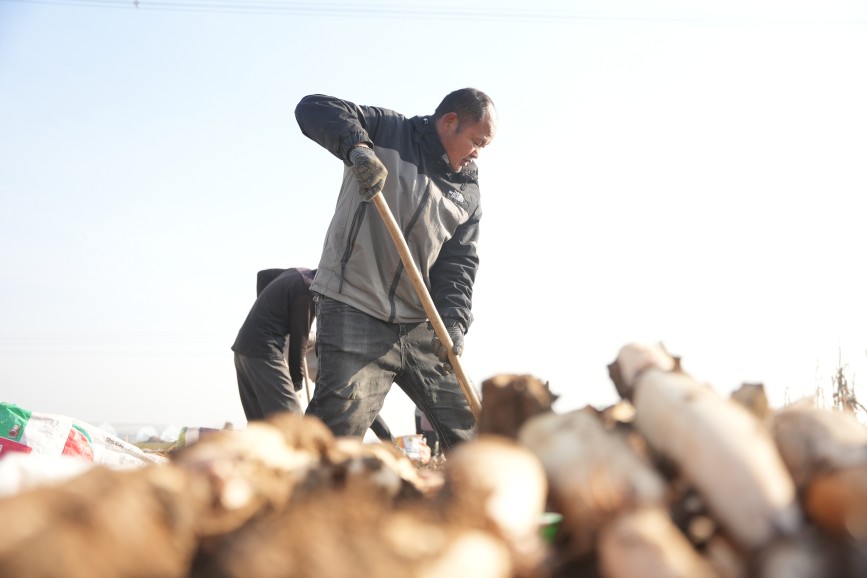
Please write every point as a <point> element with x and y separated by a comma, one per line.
<point>466,103</point>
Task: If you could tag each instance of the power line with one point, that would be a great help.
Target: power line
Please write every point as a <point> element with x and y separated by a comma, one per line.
<point>338,9</point>
<point>322,9</point>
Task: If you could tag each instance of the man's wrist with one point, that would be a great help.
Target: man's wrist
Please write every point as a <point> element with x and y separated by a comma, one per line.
<point>358,151</point>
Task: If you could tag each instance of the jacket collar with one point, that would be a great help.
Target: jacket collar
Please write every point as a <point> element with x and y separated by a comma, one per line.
<point>426,135</point>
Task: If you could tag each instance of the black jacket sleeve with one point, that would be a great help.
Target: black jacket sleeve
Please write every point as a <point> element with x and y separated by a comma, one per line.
<point>301,313</point>
<point>453,275</point>
<point>337,125</point>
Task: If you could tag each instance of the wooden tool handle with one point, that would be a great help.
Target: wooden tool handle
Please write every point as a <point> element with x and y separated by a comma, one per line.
<point>432,313</point>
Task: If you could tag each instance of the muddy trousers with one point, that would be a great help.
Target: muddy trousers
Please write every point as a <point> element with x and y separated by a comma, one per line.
<point>360,357</point>
<point>265,386</point>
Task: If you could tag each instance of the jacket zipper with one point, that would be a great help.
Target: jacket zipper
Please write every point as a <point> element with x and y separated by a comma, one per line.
<point>350,242</point>
<point>425,199</point>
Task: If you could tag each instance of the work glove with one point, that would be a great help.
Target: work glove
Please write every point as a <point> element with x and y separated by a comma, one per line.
<point>455,330</point>
<point>369,171</point>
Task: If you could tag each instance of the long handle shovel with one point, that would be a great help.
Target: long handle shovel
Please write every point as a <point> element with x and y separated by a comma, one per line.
<point>423,294</point>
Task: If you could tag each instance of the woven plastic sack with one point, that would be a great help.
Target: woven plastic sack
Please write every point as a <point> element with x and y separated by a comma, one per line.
<point>22,430</point>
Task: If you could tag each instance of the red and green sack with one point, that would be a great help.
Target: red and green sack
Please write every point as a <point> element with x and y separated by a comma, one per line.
<point>22,430</point>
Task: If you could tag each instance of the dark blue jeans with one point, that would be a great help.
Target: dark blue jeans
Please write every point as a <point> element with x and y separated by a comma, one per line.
<point>359,359</point>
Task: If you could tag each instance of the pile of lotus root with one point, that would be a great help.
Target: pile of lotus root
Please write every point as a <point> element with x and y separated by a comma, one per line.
<point>672,481</point>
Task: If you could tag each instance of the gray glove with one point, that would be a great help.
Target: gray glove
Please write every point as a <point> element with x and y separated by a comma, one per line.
<point>455,330</point>
<point>369,171</point>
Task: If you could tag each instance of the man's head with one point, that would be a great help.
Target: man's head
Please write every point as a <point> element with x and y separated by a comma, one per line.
<point>466,122</point>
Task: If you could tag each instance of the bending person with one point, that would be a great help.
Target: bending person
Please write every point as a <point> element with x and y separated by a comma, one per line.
<point>269,375</point>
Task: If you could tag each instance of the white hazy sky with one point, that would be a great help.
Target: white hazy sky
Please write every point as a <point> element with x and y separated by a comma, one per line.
<point>684,172</point>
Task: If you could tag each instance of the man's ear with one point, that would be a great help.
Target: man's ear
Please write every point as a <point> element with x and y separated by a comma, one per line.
<point>450,118</point>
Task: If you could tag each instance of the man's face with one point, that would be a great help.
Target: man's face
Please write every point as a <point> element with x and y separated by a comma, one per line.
<point>464,139</point>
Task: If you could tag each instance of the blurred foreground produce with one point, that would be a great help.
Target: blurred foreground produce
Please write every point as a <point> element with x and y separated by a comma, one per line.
<point>672,481</point>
